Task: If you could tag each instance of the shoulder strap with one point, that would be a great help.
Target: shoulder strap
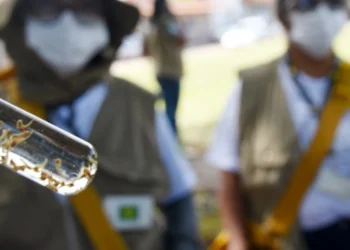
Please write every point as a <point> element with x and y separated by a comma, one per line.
<point>280,221</point>
<point>88,208</point>
<point>8,73</point>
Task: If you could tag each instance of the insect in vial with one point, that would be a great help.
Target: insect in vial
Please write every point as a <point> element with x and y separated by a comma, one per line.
<point>44,153</point>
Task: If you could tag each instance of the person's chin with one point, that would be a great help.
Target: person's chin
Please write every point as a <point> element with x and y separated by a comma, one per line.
<point>314,55</point>
<point>320,57</point>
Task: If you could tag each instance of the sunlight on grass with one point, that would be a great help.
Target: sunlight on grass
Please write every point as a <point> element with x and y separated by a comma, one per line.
<point>210,75</point>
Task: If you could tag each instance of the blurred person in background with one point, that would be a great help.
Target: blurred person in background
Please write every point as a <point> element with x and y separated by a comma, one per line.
<point>164,43</point>
<point>272,114</point>
<point>62,51</point>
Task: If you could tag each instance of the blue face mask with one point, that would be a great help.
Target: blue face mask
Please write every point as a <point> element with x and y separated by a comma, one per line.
<point>67,43</point>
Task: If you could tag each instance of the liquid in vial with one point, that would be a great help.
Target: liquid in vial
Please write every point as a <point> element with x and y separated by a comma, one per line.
<point>44,153</point>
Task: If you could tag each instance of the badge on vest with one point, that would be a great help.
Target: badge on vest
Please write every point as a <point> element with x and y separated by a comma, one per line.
<point>129,212</point>
<point>330,182</point>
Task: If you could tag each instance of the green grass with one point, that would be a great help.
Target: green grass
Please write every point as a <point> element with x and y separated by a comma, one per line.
<point>210,75</point>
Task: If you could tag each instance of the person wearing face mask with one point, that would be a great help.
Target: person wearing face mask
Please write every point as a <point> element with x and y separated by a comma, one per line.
<point>62,51</point>
<point>282,144</point>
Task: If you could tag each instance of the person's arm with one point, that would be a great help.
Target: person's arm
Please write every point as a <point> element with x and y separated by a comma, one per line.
<point>144,28</point>
<point>231,210</point>
<point>178,207</point>
<point>176,32</point>
<point>223,154</point>
<point>181,175</point>
<point>6,7</point>
<point>145,51</point>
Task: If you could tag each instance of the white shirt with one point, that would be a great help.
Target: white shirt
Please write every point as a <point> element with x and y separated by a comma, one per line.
<point>318,209</point>
<point>86,107</point>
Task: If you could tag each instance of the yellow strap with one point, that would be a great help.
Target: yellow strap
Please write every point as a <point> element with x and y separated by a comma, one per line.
<point>279,223</point>
<point>220,242</point>
<point>283,216</point>
<point>7,73</point>
<point>86,204</point>
<point>286,211</point>
<point>102,235</point>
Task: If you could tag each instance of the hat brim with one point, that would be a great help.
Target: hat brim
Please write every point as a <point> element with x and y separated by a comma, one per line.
<point>122,19</point>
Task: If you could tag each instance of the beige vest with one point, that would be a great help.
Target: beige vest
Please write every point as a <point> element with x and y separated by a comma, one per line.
<point>129,159</point>
<point>165,50</point>
<point>124,137</point>
<point>269,148</point>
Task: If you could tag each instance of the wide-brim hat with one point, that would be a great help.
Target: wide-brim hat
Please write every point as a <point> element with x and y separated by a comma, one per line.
<point>121,17</point>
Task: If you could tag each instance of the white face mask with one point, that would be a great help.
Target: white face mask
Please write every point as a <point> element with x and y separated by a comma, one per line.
<point>67,44</point>
<point>315,31</point>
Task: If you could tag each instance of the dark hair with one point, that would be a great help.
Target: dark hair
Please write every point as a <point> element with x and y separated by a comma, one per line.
<point>282,12</point>
<point>160,7</point>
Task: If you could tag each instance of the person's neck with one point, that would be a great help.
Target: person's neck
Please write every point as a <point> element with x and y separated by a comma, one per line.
<point>310,66</point>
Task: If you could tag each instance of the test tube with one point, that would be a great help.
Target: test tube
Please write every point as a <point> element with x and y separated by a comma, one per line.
<point>44,153</point>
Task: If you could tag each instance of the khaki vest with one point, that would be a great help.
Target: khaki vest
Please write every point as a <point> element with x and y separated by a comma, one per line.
<point>31,217</point>
<point>129,160</point>
<point>269,149</point>
<point>165,50</point>
<point>124,137</point>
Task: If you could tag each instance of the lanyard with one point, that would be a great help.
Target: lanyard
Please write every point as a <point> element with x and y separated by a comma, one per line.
<point>331,76</point>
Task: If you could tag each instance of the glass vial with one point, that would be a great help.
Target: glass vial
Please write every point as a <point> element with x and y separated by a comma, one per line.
<point>44,153</point>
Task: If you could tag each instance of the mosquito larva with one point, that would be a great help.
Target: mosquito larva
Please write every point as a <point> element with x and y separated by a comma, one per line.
<point>22,126</point>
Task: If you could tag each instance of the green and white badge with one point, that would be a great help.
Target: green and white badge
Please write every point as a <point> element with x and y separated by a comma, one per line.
<point>128,212</point>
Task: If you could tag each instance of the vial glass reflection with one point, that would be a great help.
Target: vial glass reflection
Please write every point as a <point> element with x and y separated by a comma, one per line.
<point>44,153</point>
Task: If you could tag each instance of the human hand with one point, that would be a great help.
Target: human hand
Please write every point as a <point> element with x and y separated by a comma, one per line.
<point>237,244</point>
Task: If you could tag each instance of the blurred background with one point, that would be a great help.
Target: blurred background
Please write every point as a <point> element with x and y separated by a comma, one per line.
<point>222,37</point>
